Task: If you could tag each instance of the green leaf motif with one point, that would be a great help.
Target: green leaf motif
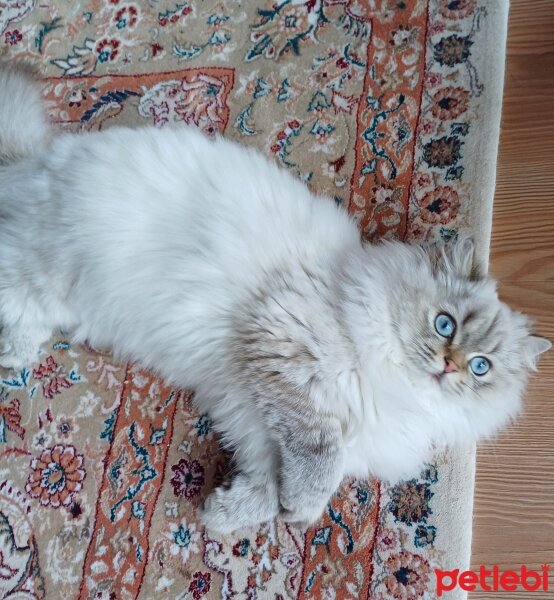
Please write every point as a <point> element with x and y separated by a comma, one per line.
<point>187,53</point>
<point>319,100</point>
<point>241,121</point>
<point>45,29</point>
<point>157,437</point>
<point>284,91</point>
<point>322,536</point>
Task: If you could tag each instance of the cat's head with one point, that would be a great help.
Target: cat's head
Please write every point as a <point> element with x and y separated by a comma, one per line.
<point>455,334</point>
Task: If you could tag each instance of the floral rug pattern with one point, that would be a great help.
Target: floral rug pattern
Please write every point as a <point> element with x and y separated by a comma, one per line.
<point>101,465</point>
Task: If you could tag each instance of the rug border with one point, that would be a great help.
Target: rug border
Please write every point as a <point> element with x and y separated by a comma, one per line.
<point>482,150</point>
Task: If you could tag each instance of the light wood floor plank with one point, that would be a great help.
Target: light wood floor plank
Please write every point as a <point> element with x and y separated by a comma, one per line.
<point>514,500</point>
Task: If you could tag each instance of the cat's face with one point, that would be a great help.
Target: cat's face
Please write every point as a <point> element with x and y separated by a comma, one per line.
<point>464,339</point>
<point>456,335</point>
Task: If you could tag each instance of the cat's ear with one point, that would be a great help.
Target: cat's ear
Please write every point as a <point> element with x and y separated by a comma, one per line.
<point>534,347</point>
<point>461,255</point>
<point>457,258</point>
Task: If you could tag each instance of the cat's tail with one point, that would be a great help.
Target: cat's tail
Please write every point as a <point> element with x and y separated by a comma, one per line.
<point>24,128</point>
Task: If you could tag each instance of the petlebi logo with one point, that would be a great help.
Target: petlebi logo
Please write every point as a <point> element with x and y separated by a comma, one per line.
<point>492,580</point>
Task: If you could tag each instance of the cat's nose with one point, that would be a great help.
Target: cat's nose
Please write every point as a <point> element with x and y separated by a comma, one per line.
<point>450,366</point>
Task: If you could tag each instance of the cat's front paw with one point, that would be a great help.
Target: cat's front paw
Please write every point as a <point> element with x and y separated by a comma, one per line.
<point>302,510</point>
<point>247,502</point>
<point>17,353</point>
<point>218,513</point>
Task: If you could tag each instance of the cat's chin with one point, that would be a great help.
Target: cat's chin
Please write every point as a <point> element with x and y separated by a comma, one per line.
<point>440,381</point>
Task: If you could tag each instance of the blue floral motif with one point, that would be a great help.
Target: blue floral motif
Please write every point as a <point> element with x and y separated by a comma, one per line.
<point>409,501</point>
<point>111,99</point>
<point>424,535</point>
<point>284,91</point>
<point>203,425</point>
<point>322,536</point>
<point>182,537</point>
<point>452,50</point>
<point>372,136</point>
<point>442,152</point>
<point>109,425</point>
<point>45,29</point>
<point>144,473</point>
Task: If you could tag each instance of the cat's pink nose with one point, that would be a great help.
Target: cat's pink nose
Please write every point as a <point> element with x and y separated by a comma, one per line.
<point>450,366</point>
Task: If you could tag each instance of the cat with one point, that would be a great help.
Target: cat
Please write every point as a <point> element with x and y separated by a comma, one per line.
<point>316,355</point>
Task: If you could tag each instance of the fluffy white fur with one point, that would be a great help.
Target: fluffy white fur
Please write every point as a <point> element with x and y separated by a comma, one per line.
<point>315,355</point>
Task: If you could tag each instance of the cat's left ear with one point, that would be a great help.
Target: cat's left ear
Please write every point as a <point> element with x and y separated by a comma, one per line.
<point>534,347</point>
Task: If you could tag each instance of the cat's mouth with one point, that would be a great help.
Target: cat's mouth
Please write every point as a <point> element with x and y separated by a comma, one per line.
<point>450,367</point>
<point>438,377</point>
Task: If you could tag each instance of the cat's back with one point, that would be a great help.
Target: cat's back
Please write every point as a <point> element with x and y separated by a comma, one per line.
<point>146,191</point>
<point>169,232</point>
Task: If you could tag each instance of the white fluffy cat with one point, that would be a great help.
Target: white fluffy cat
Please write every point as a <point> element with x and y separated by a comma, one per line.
<point>315,355</point>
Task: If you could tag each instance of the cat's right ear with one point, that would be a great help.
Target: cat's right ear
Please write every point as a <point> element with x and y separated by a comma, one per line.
<point>535,345</point>
<point>460,254</point>
<point>456,258</point>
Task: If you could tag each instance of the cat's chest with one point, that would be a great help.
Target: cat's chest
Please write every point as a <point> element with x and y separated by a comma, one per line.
<point>398,430</point>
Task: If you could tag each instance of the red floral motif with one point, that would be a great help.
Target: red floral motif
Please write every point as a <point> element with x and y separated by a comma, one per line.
<point>126,16</point>
<point>56,476</point>
<point>408,576</point>
<point>13,38</point>
<point>382,194</point>
<point>200,584</point>
<point>422,180</point>
<point>432,79</point>
<point>450,103</point>
<point>334,70</point>
<point>188,478</point>
<point>457,9</point>
<point>198,100</point>
<point>387,540</point>
<point>172,17</point>
<point>440,206</point>
<point>53,376</point>
<point>342,103</point>
<point>201,101</point>
<point>9,415</point>
<point>156,49</point>
<point>427,126</point>
<point>107,49</point>
<point>435,28</point>
<point>76,97</point>
<point>402,38</point>
<point>241,547</point>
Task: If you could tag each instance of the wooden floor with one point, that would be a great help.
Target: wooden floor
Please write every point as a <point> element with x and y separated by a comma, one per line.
<point>514,501</point>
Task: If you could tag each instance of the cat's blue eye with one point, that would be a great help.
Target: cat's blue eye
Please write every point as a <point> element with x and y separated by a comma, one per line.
<point>445,325</point>
<point>479,365</point>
